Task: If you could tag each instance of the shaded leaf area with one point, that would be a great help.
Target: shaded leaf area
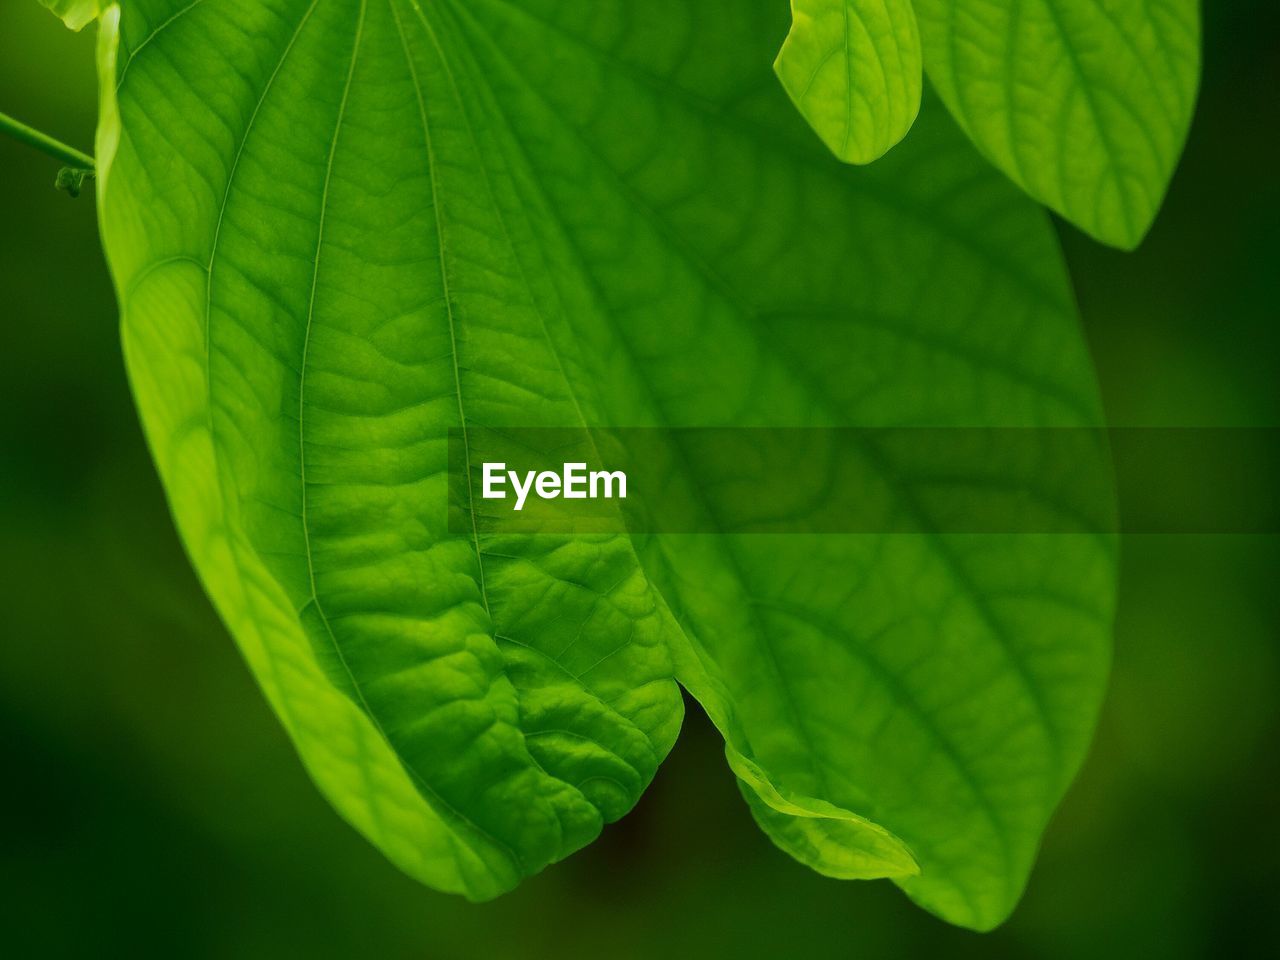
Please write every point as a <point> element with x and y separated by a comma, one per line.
<point>853,69</point>
<point>339,229</point>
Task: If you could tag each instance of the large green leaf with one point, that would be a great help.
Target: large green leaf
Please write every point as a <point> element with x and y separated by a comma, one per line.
<point>1084,103</point>
<point>339,228</point>
<point>853,69</point>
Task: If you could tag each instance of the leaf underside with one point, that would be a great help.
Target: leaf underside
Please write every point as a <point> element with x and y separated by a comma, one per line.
<point>339,228</point>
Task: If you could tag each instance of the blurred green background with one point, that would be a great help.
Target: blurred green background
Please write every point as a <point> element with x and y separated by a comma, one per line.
<point>151,804</point>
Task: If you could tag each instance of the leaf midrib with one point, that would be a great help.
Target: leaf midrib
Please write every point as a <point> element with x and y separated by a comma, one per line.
<point>580,678</point>
<point>410,770</point>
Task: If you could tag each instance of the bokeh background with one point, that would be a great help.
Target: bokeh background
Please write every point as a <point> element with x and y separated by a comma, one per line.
<point>150,804</point>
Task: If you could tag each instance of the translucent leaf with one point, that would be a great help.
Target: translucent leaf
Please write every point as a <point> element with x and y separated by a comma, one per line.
<point>339,230</point>
<point>852,67</point>
<point>1084,103</point>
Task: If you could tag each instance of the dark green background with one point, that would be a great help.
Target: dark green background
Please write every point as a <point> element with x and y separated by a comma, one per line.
<point>151,804</point>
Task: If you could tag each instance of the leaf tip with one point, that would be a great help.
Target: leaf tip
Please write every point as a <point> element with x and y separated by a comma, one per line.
<point>76,14</point>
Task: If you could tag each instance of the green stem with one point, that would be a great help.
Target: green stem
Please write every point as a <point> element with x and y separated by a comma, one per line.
<point>45,143</point>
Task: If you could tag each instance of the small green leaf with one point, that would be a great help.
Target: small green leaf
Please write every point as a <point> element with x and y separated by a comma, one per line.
<point>74,13</point>
<point>1084,103</point>
<point>853,69</point>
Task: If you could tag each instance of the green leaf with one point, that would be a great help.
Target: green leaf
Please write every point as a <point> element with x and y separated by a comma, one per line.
<point>74,13</point>
<point>339,229</point>
<point>1084,103</point>
<point>300,329</point>
<point>852,67</point>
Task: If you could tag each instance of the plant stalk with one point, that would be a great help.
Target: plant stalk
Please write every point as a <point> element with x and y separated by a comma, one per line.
<point>45,143</point>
